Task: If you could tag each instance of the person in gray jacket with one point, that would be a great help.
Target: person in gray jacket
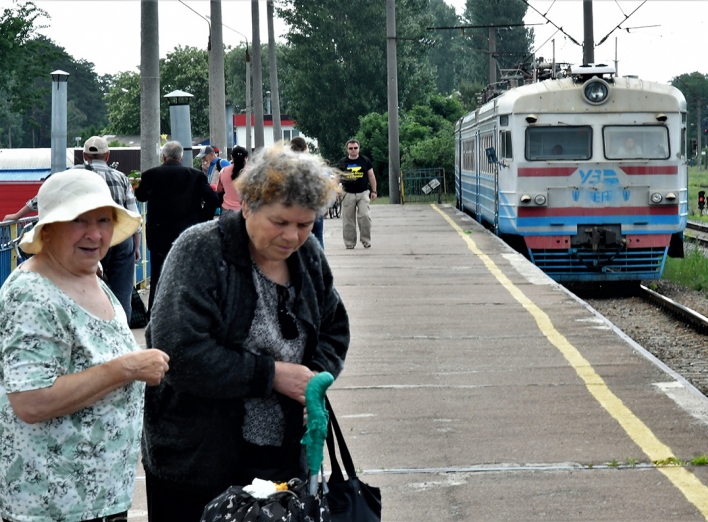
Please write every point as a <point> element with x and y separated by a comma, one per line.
<point>247,313</point>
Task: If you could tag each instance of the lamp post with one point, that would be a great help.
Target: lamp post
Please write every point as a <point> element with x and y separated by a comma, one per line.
<point>59,79</point>
<point>248,90</point>
<point>180,125</point>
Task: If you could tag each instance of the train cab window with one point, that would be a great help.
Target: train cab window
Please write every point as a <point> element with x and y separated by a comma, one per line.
<point>558,143</point>
<point>504,120</point>
<point>636,142</point>
<point>505,144</point>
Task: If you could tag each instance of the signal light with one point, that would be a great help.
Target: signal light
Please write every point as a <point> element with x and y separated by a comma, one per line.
<point>701,200</point>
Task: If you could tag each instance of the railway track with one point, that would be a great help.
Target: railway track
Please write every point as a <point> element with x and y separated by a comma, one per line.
<point>697,232</point>
<point>669,321</point>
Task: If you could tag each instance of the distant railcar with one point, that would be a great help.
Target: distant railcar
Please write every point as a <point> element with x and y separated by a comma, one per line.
<point>587,173</point>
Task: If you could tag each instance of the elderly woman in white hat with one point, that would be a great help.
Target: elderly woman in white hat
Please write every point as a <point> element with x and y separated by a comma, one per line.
<point>71,374</point>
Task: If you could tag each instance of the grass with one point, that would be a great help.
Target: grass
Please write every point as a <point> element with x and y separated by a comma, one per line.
<point>692,270</point>
<point>697,180</point>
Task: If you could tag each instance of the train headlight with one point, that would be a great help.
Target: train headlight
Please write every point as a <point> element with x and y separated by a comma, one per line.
<point>656,197</point>
<point>540,199</point>
<point>525,198</point>
<point>671,196</point>
<point>596,91</point>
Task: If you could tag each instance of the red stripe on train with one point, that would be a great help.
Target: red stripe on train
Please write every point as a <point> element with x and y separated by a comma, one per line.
<point>664,210</point>
<point>546,171</point>
<point>640,171</point>
<point>563,242</point>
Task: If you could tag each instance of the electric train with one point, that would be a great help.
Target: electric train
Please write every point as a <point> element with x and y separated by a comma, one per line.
<point>587,173</point>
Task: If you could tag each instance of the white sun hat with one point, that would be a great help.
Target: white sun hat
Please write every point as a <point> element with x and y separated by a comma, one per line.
<point>68,194</point>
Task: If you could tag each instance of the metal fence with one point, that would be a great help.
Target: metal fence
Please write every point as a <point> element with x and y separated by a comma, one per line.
<point>423,186</point>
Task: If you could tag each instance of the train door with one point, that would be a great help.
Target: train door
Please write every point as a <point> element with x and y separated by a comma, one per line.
<point>495,167</point>
<point>458,170</point>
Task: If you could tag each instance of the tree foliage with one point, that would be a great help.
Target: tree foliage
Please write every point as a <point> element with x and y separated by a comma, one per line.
<point>513,44</point>
<point>426,137</point>
<point>184,69</point>
<point>337,65</point>
<point>694,87</point>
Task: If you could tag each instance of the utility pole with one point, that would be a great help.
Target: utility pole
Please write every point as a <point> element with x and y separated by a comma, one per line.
<point>394,154</point>
<point>492,59</point>
<point>699,131</point>
<point>249,147</point>
<point>588,40</point>
<point>257,75</point>
<point>149,85</point>
<point>274,90</point>
<point>217,85</point>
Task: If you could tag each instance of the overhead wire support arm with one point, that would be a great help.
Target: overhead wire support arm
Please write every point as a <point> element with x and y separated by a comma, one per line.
<point>619,24</point>
<point>554,25</point>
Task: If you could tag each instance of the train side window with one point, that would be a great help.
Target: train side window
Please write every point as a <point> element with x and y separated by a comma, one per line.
<point>504,120</point>
<point>505,144</point>
<point>636,142</point>
<point>558,143</point>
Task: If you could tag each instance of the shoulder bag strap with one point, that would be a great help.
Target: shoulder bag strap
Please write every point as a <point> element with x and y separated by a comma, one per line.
<point>335,431</point>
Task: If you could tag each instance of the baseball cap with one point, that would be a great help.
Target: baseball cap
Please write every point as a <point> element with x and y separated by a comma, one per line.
<point>95,145</point>
<point>207,150</point>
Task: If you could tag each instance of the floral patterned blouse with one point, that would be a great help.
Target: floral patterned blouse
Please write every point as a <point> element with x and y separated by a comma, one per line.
<point>80,466</point>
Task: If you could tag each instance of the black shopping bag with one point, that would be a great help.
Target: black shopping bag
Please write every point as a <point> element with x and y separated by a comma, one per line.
<point>349,500</point>
<point>293,505</point>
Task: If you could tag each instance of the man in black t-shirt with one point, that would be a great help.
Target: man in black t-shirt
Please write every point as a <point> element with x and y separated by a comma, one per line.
<point>357,175</point>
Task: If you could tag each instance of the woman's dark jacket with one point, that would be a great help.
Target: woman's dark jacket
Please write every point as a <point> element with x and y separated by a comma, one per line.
<point>201,317</point>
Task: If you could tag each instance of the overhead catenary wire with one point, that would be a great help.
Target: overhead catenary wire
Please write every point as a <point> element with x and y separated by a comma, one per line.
<point>619,24</point>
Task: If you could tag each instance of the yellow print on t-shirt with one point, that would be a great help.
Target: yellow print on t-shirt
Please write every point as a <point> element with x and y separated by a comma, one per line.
<point>354,172</point>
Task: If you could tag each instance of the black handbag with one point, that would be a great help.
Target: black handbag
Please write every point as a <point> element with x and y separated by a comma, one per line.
<point>138,314</point>
<point>349,500</point>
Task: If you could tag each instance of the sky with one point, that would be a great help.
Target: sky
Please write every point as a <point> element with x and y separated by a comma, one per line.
<point>665,38</point>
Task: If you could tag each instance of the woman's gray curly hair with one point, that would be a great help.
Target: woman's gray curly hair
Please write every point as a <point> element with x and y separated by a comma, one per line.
<point>279,175</point>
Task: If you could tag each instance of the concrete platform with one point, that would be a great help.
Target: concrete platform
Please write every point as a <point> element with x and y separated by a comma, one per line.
<point>477,389</point>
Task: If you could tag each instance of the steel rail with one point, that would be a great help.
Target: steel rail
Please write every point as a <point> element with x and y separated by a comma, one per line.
<point>700,322</point>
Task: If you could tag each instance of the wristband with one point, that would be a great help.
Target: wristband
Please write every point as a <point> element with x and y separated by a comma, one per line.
<point>373,192</point>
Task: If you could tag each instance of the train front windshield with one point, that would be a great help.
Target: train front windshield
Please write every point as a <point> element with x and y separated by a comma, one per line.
<point>558,143</point>
<point>636,142</point>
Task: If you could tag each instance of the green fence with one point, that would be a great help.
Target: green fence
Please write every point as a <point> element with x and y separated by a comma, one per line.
<point>423,186</point>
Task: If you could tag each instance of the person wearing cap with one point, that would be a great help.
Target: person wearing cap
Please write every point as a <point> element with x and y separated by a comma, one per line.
<point>175,195</point>
<point>73,377</point>
<point>119,263</point>
<point>216,164</point>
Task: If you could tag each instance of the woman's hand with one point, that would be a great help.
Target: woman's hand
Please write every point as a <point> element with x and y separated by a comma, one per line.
<point>148,366</point>
<point>291,380</point>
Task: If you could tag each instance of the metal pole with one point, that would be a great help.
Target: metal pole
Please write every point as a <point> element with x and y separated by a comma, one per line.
<point>217,85</point>
<point>616,61</point>
<point>59,105</point>
<point>588,41</point>
<point>492,59</point>
<point>274,89</point>
<point>394,154</point>
<point>249,147</point>
<point>699,132</point>
<point>257,75</point>
<point>149,85</point>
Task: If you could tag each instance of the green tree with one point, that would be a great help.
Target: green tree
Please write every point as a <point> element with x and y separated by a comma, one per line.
<point>512,44</point>
<point>426,138</point>
<point>235,72</point>
<point>124,104</point>
<point>694,87</point>
<point>337,65</point>
<point>449,53</point>
<point>186,69</point>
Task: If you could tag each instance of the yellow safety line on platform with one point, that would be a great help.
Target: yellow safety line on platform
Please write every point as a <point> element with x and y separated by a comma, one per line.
<point>692,488</point>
